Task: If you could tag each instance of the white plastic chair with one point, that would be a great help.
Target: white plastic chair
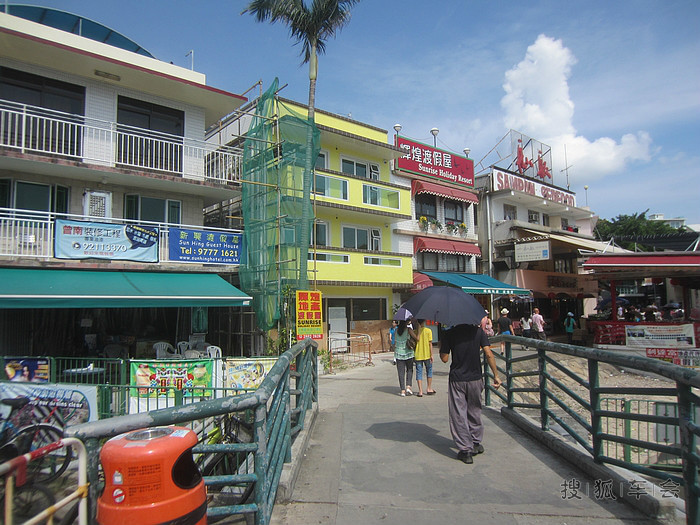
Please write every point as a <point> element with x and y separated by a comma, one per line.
<point>213,352</point>
<point>192,354</point>
<point>183,347</point>
<point>165,350</point>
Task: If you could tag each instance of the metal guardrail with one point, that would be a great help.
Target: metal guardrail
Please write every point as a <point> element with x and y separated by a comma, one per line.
<point>348,349</point>
<point>35,129</point>
<point>538,381</point>
<point>279,409</point>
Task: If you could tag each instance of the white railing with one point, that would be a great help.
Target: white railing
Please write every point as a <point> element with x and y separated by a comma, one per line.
<point>31,233</point>
<point>38,130</point>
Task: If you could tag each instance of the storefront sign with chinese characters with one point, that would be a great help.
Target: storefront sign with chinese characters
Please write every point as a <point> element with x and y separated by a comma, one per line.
<point>204,246</point>
<point>95,240</point>
<point>309,315</point>
<point>434,163</point>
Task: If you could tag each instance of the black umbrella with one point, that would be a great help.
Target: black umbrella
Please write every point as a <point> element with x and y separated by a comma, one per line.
<point>402,314</point>
<point>445,305</point>
<point>620,301</point>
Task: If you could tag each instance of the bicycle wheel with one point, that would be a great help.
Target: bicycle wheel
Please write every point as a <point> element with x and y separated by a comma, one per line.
<point>222,464</point>
<point>29,500</point>
<point>52,465</point>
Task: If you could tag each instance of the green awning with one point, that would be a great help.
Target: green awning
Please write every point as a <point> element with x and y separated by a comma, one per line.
<point>475,283</point>
<point>45,288</point>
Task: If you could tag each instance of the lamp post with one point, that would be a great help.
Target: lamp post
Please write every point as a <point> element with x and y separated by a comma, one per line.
<point>467,151</point>
<point>585,188</point>
<point>435,132</point>
<point>397,128</point>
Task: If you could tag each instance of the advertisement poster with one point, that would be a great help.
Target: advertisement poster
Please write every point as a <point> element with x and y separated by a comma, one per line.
<point>55,404</point>
<point>202,246</point>
<point>309,315</point>
<point>686,358</point>
<point>97,240</point>
<point>27,369</point>
<point>435,163</point>
<point>681,336</point>
<point>247,373</point>
<point>162,378</point>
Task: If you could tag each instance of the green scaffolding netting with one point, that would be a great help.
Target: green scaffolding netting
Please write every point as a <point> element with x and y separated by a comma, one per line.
<point>276,204</point>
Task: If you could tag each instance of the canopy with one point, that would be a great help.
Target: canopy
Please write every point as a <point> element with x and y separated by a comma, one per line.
<point>474,283</point>
<point>428,244</point>
<point>44,288</point>
<point>585,244</point>
<point>420,186</point>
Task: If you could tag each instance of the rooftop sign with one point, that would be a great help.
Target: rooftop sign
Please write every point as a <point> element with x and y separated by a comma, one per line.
<point>428,161</point>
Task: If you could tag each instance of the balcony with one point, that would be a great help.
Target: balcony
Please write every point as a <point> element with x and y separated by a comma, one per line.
<point>30,234</point>
<point>36,130</point>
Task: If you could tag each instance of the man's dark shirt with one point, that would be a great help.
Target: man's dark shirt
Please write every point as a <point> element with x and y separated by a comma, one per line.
<point>464,342</point>
<point>505,324</point>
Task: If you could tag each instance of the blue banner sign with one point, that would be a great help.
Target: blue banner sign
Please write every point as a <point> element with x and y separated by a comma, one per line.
<point>96,240</point>
<point>203,246</point>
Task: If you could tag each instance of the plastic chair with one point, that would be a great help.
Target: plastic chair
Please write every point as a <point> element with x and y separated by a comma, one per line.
<point>165,350</point>
<point>116,351</point>
<point>183,347</point>
<point>192,354</point>
<point>213,352</point>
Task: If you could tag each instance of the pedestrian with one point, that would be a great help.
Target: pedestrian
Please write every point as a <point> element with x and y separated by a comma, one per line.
<point>424,358</point>
<point>465,386</point>
<point>404,354</point>
<point>392,338</point>
<point>505,326</point>
<point>538,325</point>
<point>526,323</point>
<point>487,325</point>
<point>569,325</point>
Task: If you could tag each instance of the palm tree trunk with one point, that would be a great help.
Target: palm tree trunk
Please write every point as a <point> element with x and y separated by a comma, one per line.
<point>306,218</point>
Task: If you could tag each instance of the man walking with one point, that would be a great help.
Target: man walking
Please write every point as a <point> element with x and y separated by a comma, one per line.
<point>465,386</point>
<point>538,325</point>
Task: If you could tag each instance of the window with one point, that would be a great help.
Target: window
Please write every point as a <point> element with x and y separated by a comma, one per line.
<point>564,223</point>
<point>455,263</point>
<point>427,261</point>
<point>368,309</point>
<point>425,206</point>
<point>152,209</point>
<point>319,235</point>
<point>545,219</point>
<point>321,161</point>
<point>533,217</point>
<point>361,239</point>
<point>510,213</point>
<point>149,135</point>
<point>454,212</point>
<point>35,197</point>
<point>380,196</point>
<point>35,90</point>
<point>331,187</point>
<point>359,169</point>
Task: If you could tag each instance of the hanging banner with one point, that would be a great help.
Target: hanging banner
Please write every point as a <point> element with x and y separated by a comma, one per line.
<point>163,378</point>
<point>435,163</point>
<point>204,246</point>
<point>309,315</point>
<point>247,373</point>
<point>54,404</point>
<point>97,240</point>
<point>27,369</point>
<point>661,336</point>
<point>686,358</point>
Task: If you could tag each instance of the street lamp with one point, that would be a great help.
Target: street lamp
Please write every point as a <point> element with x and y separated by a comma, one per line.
<point>397,128</point>
<point>467,151</point>
<point>434,132</point>
<point>585,188</point>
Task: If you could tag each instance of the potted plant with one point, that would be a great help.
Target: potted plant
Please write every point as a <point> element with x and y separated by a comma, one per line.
<point>451,227</point>
<point>436,224</point>
<point>462,228</point>
<point>423,222</point>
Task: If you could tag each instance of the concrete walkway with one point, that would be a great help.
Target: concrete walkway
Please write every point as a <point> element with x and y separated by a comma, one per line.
<point>375,457</point>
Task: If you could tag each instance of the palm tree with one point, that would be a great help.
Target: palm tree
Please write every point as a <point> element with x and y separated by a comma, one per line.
<point>310,26</point>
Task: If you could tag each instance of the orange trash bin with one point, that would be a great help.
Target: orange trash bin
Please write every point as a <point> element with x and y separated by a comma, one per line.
<point>151,478</point>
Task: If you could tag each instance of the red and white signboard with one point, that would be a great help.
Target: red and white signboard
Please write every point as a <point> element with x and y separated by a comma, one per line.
<point>422,159</point>
<point>502,180</point>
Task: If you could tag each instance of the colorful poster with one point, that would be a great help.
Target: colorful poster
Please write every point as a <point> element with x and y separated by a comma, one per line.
<point>97,240</point>
<point>163,378</point>
<point>247,373</point>
<point>686,358</point>
<point>660,336</point>
<point>204,246</point>
<point>27,369</point>
<point>309,315</point>
<point>55,404</point>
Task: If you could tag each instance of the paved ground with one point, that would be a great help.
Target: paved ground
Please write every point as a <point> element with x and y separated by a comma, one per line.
<point>375,457</point>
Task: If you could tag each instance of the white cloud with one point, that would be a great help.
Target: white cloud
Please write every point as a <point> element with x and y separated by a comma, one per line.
<point>537,103</point>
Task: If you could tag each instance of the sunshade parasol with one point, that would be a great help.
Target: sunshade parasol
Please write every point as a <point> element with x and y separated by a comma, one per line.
<point>445,305</point>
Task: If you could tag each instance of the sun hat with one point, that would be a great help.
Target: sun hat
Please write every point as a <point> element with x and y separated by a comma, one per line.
<point>570,314</point>
<point>504,311</point>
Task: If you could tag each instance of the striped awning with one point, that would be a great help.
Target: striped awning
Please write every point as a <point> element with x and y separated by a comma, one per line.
<point>420,186</point>
<point>427,244</point>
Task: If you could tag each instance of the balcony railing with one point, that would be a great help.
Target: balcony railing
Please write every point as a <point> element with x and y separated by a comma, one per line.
<point>33,129</point>
<point>30,234</point>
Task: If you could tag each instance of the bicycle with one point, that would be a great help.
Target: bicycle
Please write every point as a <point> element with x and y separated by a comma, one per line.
<point>16,441</point>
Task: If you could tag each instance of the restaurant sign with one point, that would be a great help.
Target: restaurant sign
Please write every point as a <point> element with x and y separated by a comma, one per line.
<point>97,240</point>
<point>204,246</point>
<point>428,161</point>
<point>503,180</point>
<point>532,251</point>
<point>309,315</point>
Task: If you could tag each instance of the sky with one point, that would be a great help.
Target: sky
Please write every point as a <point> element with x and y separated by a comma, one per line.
<point>612,87</point>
